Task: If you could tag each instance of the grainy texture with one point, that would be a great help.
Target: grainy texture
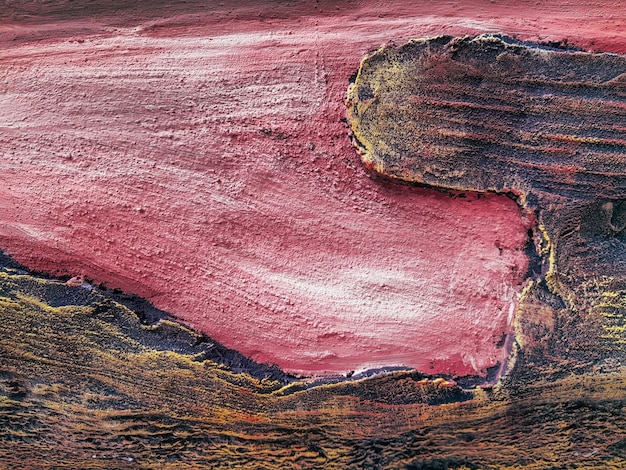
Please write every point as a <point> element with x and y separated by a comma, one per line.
<point>84,385</point>
<point>491,113</point>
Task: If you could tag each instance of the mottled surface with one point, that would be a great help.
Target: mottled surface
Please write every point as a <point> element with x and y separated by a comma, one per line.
<point>491,113</point>
<point>84,385</point>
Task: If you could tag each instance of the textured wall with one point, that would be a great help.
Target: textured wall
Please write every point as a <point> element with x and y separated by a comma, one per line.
<point>197,156</point>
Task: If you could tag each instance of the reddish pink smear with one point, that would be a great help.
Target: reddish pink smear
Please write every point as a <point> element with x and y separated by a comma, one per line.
<point>202,162</point>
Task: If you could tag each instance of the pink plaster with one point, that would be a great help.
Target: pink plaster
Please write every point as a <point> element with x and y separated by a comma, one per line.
<point>201,161</point>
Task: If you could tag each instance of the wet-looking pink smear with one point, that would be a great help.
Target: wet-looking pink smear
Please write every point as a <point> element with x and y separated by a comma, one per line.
<point>216,179</point>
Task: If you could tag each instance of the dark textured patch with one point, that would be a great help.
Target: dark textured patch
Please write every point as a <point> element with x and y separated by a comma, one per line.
<point>493,113</point>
